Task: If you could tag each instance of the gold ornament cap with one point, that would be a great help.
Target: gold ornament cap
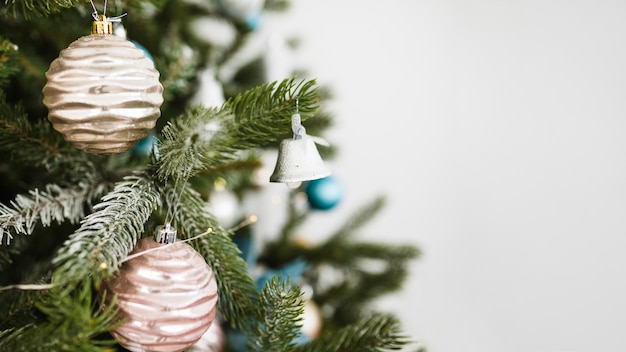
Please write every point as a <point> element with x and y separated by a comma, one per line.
<point>102,26</point>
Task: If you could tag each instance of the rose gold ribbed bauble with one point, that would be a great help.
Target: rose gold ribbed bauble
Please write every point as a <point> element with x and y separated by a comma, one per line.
<point>213,340</point>
<point>167,297</point>
<point>103,94</point>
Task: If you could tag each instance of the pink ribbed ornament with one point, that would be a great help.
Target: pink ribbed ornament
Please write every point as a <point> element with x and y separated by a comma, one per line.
<point>102,92</point>
<point>167,296</point>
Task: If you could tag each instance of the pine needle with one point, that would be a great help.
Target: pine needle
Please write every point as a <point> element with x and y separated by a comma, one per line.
<point>74,322</point>
<point>279,317</point>
<point>204,138</point>
<point>237,290</point>
<point>373,334</point>
<point>54,204</point>
<point>107,235</point>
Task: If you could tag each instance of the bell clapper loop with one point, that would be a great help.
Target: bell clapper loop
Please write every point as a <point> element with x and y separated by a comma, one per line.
<point>296,126</point>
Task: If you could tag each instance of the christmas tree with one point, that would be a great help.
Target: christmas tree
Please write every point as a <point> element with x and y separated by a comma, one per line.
<point>165,127</point>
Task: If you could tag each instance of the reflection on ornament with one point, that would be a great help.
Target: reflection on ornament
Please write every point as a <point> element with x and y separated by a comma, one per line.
<point>324,193</point>
<point>212,341</point>
<point>167,296</point>
<point>102,93</point>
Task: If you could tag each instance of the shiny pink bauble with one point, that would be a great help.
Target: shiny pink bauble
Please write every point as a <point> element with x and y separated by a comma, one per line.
<point>167,297</point>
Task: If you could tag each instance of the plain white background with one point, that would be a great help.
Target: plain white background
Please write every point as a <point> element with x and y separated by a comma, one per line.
<point>496,130</point>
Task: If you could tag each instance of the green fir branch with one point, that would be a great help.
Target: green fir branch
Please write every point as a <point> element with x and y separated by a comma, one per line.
<point>30,8</point>
<point>107,235</point>
<point>359,286</point>
<point>19,308</point>
<point>9,64</point>
<point>54,204</point>
<point>237,290</point>
<point>205,138</point>
<point>75,320</point>
<point>37,144</point>
<point>7,253</point>
<point>280,317</point>
<point>185,147</point>
<point>372,334</point>
<point>263,112</point>
<point>358,219</point>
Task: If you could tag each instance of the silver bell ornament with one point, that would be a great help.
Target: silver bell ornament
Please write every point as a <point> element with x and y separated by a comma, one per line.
<point>298,158</point>
<point>102,92</point>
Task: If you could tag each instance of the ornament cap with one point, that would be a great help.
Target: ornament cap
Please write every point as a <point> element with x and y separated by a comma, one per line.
<point>165,234</point>
<point>102,26</point>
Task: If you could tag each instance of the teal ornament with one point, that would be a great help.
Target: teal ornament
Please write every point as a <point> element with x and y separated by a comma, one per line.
<point>146,146</point>
<point>142,48</point>
<point>245,242</point>
<point>253,22</point>
<point>324,193</point>
<point>292,271</point>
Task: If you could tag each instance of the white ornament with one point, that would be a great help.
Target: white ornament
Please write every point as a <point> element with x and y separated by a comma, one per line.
<point>224,206</point>
<point>215,31</point>
<point>210,93</point>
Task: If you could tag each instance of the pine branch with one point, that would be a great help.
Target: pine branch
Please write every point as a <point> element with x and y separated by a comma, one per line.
<point>280,312</point>
<point>357,220</point>
<point>185,148</point>
<point>177,65</point>
<point>56,203</point>
<point>37,7</point>
<point>8,60</point>
<point>359,287</point>
<point>107,235</point>
<point>37,144</point>
<point>372,334</point>
<point>205,138</point>
<point>74,322</point>
<point>237,290</point>
<point>7,252</point>
<point>18,308</point>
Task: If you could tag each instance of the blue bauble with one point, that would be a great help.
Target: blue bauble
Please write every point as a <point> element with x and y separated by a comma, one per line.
<point>145,51</point>
<point>324,193</point>
<point>146,146</point>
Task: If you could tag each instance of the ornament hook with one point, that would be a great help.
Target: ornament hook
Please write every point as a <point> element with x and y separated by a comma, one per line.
<point>102,24</point>
<point>165,234</point>
<point>296,123</point>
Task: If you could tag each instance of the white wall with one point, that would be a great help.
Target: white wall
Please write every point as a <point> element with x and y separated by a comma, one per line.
<point>497,131</point>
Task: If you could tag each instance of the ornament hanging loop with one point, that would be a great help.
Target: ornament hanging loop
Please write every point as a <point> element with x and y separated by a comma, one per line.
<point>296,126</point>
<point>101,24</point>
<point>296,123</point>
<point>165,234</point>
